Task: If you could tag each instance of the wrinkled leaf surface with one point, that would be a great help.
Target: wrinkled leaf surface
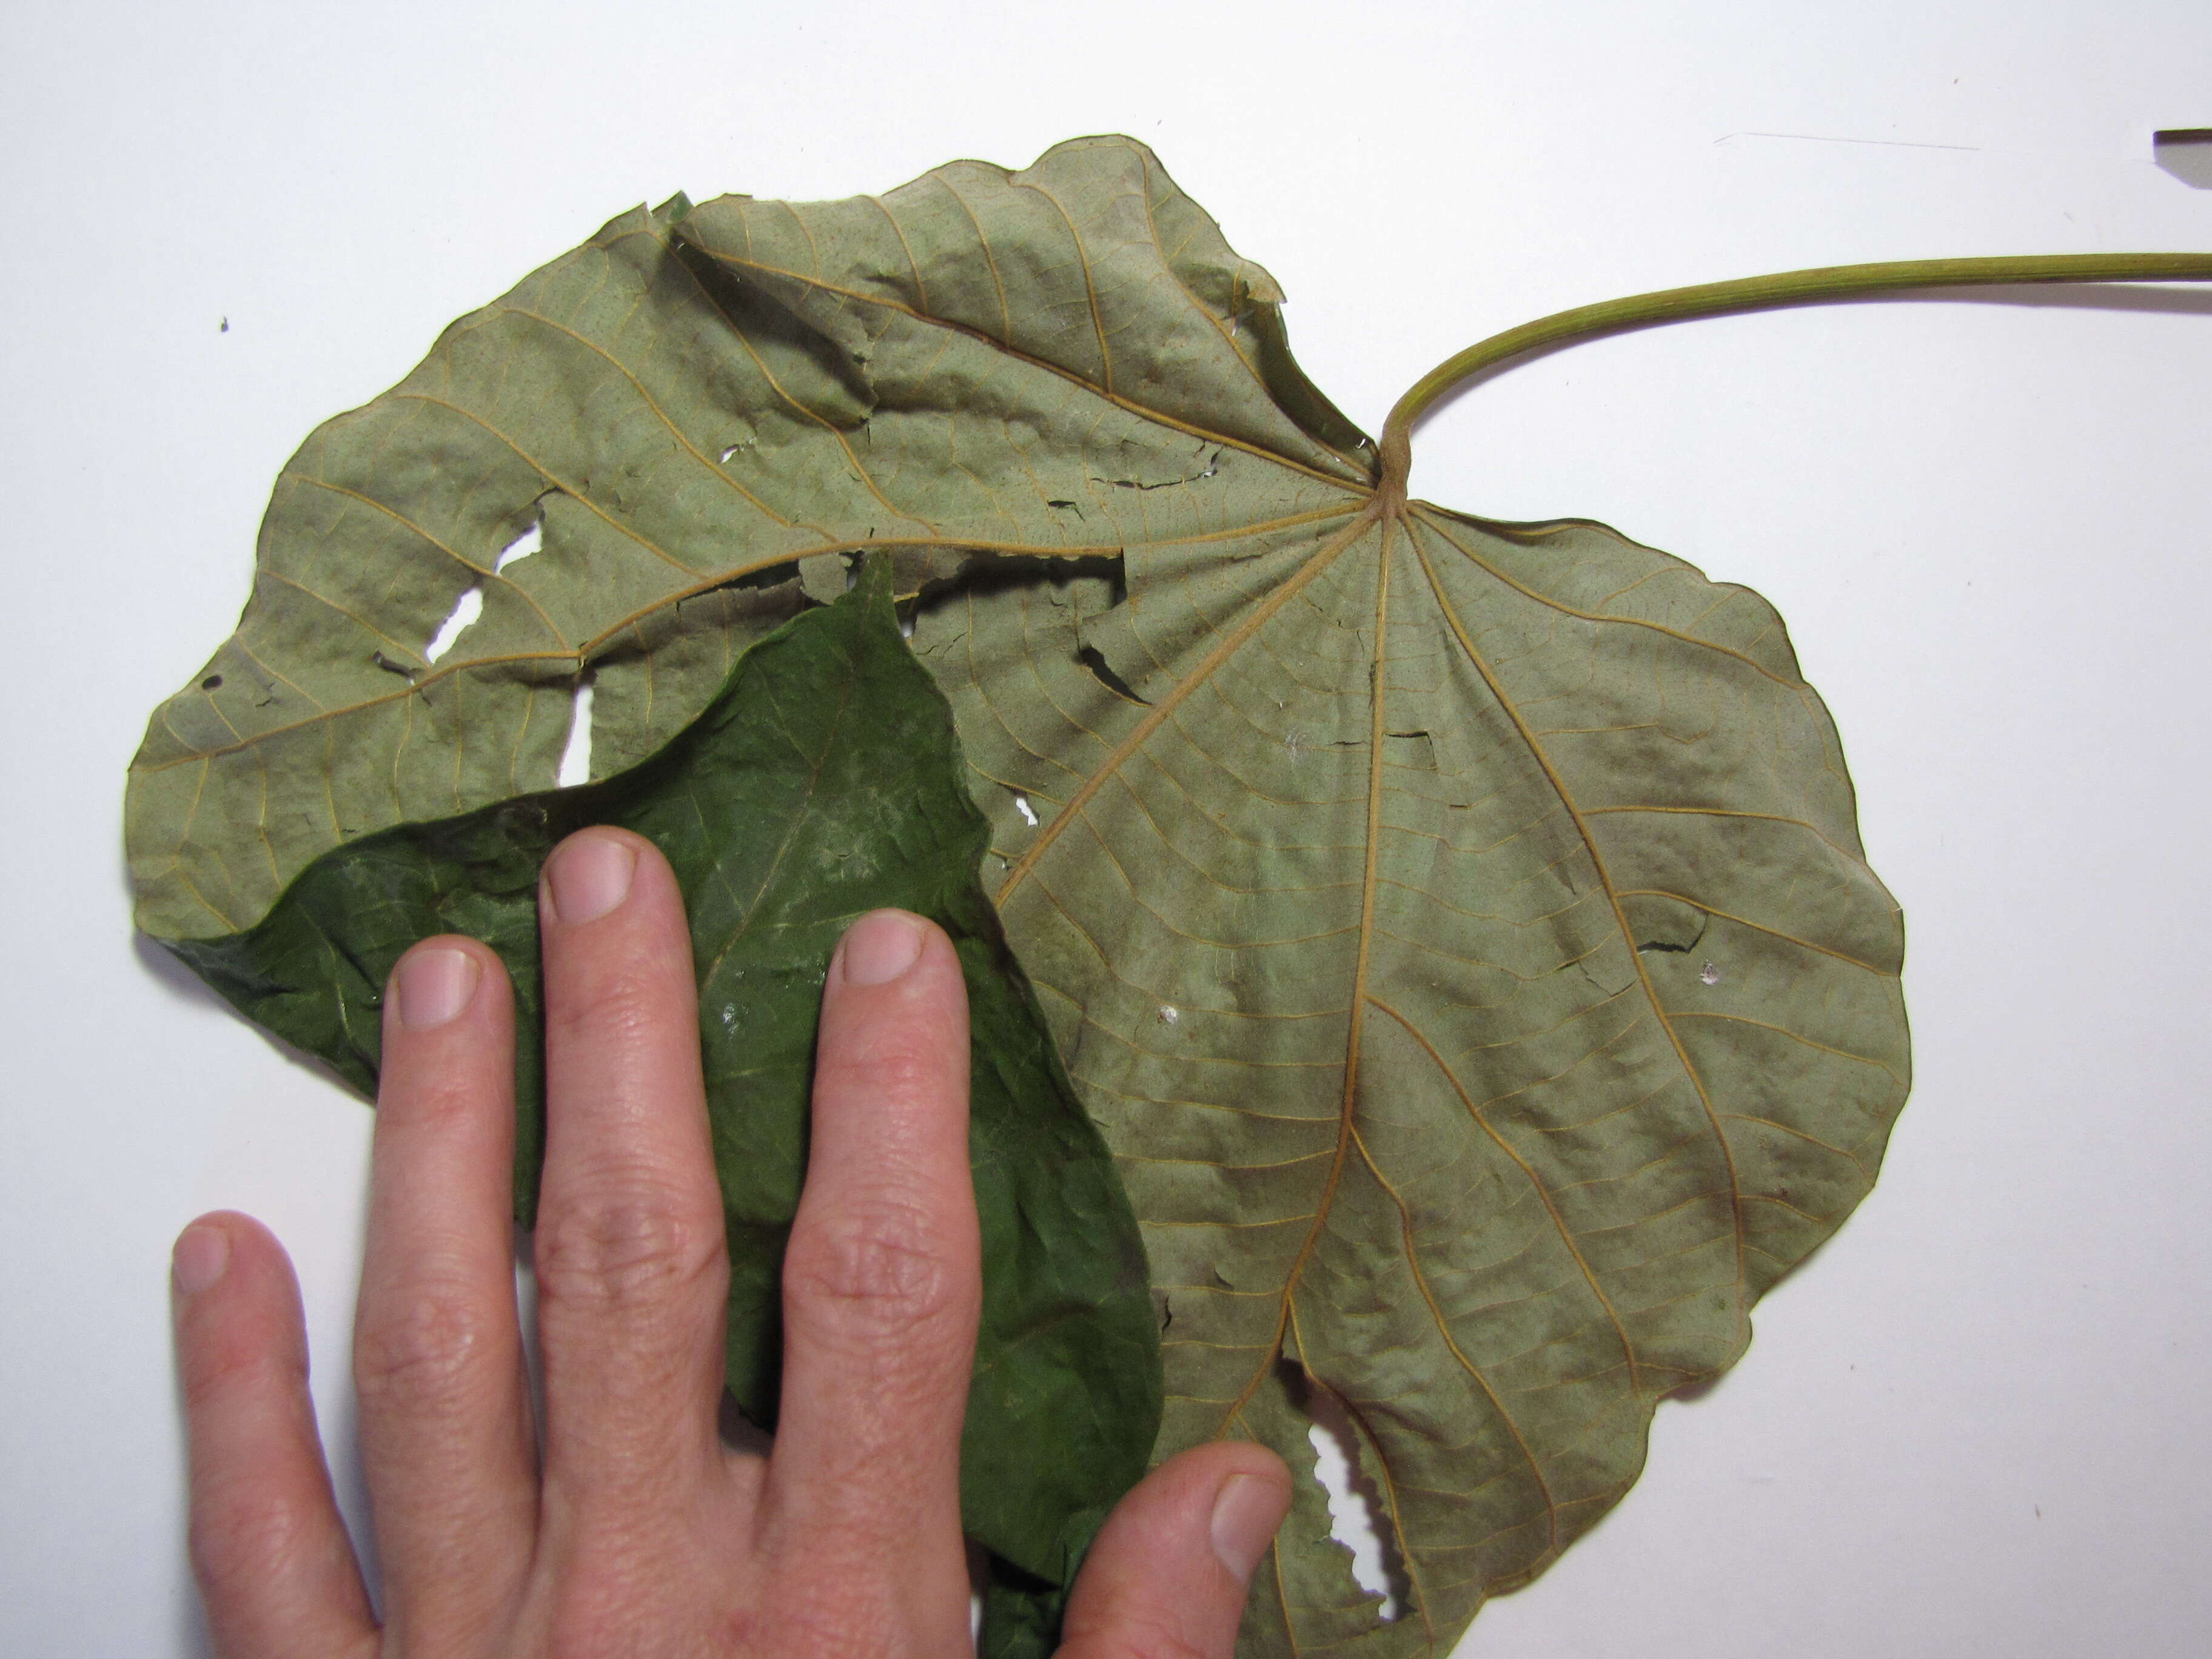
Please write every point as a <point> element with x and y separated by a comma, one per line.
<point>823,780</point>
<point>1460,930</point>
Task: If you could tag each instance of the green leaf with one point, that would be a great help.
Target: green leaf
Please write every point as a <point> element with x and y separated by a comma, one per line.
<point>1459,930</point>
<point>822,781</point>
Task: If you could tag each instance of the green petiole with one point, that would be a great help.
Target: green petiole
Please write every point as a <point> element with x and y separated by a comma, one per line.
<point>1758,294</point>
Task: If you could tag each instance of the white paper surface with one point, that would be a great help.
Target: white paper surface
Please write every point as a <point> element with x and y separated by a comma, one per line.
<point>1973,1425</point>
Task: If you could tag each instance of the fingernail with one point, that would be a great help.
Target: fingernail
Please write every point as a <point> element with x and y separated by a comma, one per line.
<point>1247,1510</point>
<point>881,945</point>
<point>435,986</point>
<point>589,876</point>
<point>200,1256</point>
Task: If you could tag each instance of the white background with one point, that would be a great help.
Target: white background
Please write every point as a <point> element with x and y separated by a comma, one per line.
<point>1975,1424</point>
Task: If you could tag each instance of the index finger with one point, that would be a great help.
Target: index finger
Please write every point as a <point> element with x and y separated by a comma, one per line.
<point>883,1278</point>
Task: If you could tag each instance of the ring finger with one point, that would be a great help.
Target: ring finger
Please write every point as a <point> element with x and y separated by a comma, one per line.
<point>447,1445</point>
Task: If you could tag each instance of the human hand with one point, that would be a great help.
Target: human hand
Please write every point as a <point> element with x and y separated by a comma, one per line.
<point>642,1535</point>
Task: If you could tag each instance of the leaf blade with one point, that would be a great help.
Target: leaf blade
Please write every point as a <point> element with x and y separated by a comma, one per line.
<point>1368,860</point>
<point>831,739</point>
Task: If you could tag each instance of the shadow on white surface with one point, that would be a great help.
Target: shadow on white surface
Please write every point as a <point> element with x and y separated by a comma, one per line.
<point>2186,153</point>
<point>180,982</point>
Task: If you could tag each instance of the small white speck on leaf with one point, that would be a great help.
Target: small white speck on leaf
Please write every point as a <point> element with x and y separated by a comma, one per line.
<point>1709,974</point>
<point>1169,1013</point>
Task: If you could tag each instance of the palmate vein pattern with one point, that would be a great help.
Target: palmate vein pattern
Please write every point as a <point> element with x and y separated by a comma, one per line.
<point>1459,930</point>
<point>1564,1163</point>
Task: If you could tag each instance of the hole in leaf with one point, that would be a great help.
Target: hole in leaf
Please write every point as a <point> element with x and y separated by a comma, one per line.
<point>530,541</point>
<point>2186,153</point>
<point>1029,812</point>
<point>979,1575</point>
<point>576,758</point>
<point>466,610</point>
<point>1356,1517</point>
<point>1004,572</point>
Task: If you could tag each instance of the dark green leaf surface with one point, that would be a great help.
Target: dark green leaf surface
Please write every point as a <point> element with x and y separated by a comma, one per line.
<point>822,781</point>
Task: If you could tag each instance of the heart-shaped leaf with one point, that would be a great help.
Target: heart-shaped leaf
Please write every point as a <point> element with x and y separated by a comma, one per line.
<point>1459,930</point>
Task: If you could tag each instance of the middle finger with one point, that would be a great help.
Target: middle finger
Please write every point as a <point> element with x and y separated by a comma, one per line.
<point>632,1271</point>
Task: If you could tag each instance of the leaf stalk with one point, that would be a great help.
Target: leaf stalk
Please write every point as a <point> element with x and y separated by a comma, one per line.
<point>1786,288</point>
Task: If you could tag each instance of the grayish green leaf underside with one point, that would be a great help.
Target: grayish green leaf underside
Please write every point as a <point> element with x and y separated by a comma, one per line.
<point>1459,930</point>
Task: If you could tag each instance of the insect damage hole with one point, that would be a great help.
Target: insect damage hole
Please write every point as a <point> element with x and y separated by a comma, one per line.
<point>1029,812</point>
<point>466,609</point>
<point>530,541</point>
<point>2186,153</point>
<point>576,758</point>
<point>1355,1511</point>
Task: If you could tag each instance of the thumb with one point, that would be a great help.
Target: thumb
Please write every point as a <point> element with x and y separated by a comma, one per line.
<point>1167,1575</point>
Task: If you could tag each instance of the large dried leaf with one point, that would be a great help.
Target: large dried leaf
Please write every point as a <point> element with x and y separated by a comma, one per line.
<point>1459,930</point>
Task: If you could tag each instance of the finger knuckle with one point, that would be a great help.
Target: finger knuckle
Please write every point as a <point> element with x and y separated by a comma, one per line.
<point>243,1541</point>
<point>625,1250</point>
<point>878,1267</point>
<point>1139,1633</point>
<point>216,1373</point>
<point>619,1006</point>
<point>898,1064</point>
<point>798,1621</point>
<point>433,1104</point>
<point>422,1352</point>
